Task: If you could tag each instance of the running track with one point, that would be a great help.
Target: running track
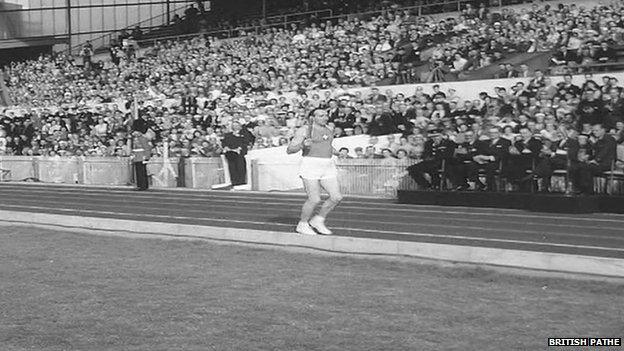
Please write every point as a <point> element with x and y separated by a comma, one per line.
<point>592,235</point>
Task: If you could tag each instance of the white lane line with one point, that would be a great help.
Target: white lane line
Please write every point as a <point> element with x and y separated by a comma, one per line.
<point>296,212</point>
<point>226,194</point>
<point>249,195</point>
<point>401,208</point>
<point>282,209</point>
<point>459,237</point>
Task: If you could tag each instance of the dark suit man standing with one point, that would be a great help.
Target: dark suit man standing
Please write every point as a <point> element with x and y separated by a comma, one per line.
<point>436,150</point>
<point>334,110</point>
<point>491,156</point>
<point>463,167</point>
<point>141,153</point>
<point>523,156</point>
<point>604,152</point>
<point>235,147</point>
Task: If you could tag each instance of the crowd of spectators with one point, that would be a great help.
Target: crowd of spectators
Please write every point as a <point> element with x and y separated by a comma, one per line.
<point>479,37</point>
<point>576,34</point>
<point>350,53</point>
<point>82,107</point>
<point>190,92</point>
<point>521,133</point>
<point>194,126</point>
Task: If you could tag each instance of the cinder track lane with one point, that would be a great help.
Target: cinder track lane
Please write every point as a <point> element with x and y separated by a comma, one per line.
<point>597,235</point>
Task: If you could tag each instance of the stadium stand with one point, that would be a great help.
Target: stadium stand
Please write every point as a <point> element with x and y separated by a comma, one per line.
<point>189,91</point>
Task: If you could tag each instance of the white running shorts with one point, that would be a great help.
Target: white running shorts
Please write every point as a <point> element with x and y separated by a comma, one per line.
<point>317,168</point>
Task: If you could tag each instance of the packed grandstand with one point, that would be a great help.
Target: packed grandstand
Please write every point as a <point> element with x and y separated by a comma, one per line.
<point>190,90</point>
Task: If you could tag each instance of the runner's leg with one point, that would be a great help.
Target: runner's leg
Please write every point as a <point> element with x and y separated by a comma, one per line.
<point>333,189</point>
<point>318,222</point>
<point>313,189</point>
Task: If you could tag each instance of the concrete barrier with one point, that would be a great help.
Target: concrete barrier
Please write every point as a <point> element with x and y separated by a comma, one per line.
<point>163,172</point>
<point>193,172</point>
<point>107,171</point>
<point>18,168</point>
<point>67,170</point>
<point>203,173</point>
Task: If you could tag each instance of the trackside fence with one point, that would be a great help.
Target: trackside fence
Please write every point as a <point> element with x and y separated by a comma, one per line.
<point>163,173</point>
<point>384,177</point>
<point>372,177</point>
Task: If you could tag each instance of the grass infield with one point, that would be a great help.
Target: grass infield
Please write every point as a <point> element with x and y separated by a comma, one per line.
<point>64,291</point>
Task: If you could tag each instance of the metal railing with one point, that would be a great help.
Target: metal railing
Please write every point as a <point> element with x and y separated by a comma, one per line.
<point>417,10</point>
<point>152,23</point>
<point>284,22</point>
<point>287,19</point>
<point>161,22</point>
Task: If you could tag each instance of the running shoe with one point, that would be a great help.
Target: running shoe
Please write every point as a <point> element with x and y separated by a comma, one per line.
<point>318,223</point>
<point>305,229</point>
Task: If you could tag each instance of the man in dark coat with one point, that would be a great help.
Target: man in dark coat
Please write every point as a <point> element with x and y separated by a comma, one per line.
<point>524,154</point>
<point>437,150</point>
<point>382,123</point>
<point>604,153</point>
<point>141,153</point>
<point>557,156</point>
<point>235,146</point>
<point>605,53</point>
<point>491,156</point>
<point>462,167</point>
<point>140,124</point>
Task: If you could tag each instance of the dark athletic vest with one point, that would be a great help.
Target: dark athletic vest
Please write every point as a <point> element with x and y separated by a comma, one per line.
<point>322,138</point>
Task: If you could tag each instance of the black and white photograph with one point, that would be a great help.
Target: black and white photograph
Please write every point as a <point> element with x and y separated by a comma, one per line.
<point>332,175</point>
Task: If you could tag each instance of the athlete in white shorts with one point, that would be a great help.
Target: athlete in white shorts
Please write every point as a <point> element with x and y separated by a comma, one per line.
<point>317,170</point>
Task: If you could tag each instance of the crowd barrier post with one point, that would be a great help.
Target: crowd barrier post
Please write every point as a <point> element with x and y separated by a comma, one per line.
<point>253,174</point>
<point>191,176</point>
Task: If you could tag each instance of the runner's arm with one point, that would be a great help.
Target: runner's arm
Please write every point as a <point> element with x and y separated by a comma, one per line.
<point>296,144</point>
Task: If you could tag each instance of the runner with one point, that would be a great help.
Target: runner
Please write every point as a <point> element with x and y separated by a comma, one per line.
<point>317,171</point>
